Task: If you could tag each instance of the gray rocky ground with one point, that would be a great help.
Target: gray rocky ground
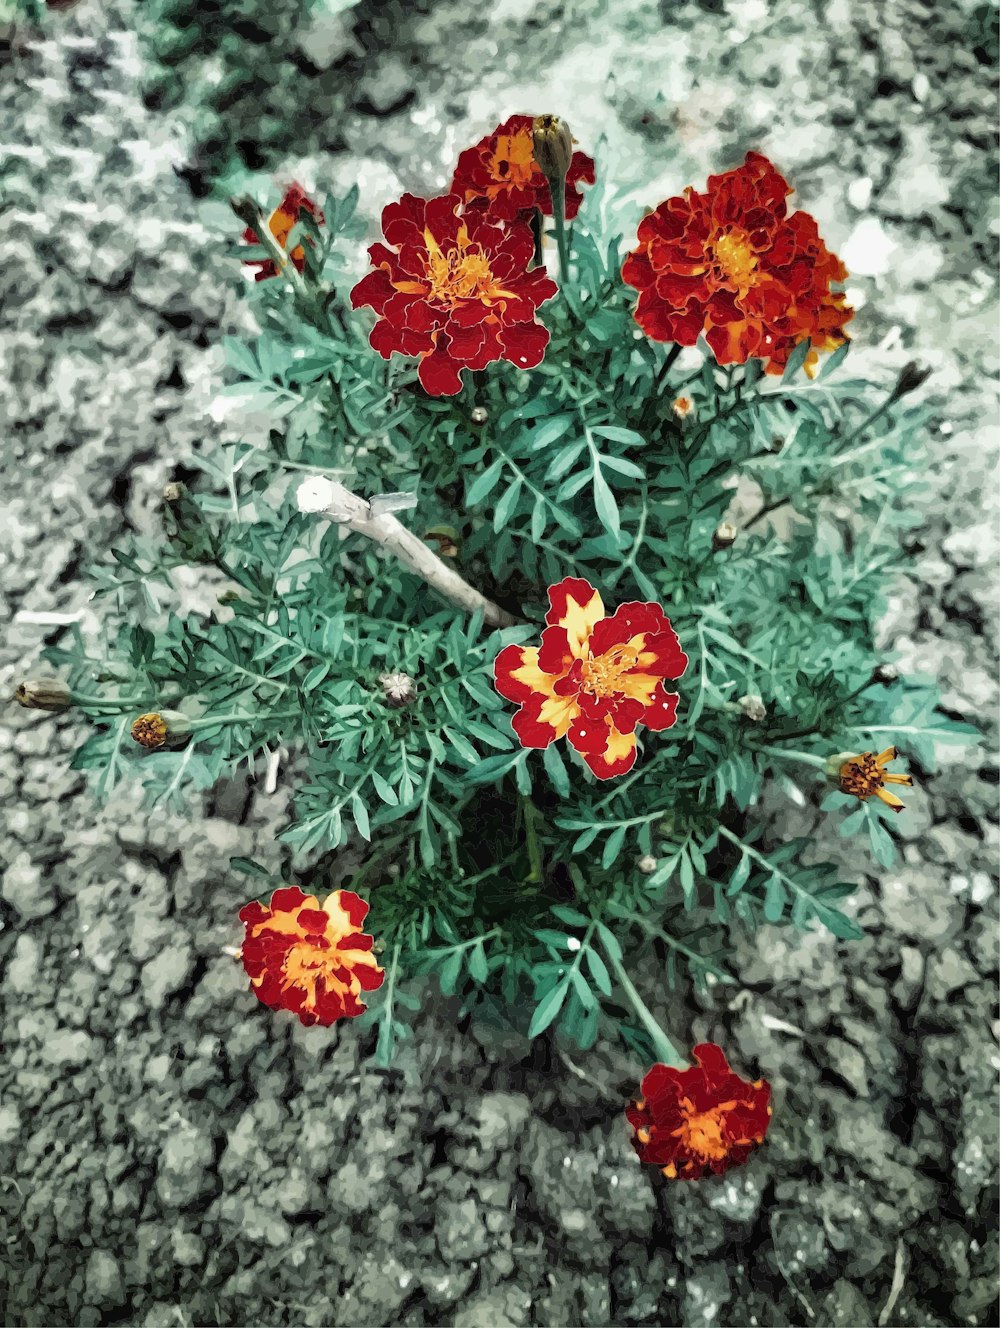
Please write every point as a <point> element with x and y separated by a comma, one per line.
<point>169,1154</point>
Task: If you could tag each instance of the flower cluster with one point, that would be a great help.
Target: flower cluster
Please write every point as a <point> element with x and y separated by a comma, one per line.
<point>594,678</point>
<point>501,171</point>
<point>732,263</point>
<point>307,957</point>
<point>704,1119</point>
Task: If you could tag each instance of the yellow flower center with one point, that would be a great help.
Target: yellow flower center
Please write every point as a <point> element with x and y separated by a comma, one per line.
<point>462,273</point>
<point>862,777</point>
<point>736,258</point>
<point>701,1132</point>
<point>513,162</point>
<point>602,674</point>
<point>304,964</point>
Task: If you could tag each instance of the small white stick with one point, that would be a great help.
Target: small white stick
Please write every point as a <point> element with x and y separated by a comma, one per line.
<point>338,504</point>
<point>273,766</point>
<point>898,1280</point>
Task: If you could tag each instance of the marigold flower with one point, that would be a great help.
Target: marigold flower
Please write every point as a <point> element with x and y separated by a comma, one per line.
<point>865,774</point>
<point>280,223</point>
<point>309,958</point>
<point>502,170</point>
<point>700,1120</point>
<point>454,289</point>
<point>594,678</point>
<point>733,263</point>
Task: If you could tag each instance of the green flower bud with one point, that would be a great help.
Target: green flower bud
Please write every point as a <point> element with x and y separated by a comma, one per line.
<point>553,146</point>
<point>44,694</point>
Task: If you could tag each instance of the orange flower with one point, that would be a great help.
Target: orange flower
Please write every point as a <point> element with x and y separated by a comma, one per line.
<point>280,223</point>
<point>704,1119</point>
<point>683,407</point>
<point>313,960</point>
<point>501,169</point>
<point>733,264</point>
<point>455,289</point>
<point>865,774</point>
<point>594,678</point>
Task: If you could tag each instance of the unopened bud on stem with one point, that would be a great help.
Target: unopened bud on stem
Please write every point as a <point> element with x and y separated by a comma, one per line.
<point>885,674</point>
<point>646,864</point>
<point>553,147</point>
<point>44,694</point>
<point>910,378</point>
<point>724,536</point>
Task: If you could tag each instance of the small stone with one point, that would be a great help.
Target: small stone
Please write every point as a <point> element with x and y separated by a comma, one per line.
<point>166,973</point>
<point>25,888</point>
<point>104,1280</point>
<point>68,1047</point>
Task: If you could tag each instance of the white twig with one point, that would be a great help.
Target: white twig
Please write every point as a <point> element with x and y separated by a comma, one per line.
<point>273,766</point>
<point>898,1279</point>
<point>336,503</point>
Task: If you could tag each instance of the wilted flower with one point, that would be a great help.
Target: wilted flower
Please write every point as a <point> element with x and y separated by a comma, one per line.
<point>594,679</point>
<point>398,689</point>
<point>160,728</point>
<point>502,169</point>
<point>44,694</point>
<point>310,958</point>
<point>455,290</point>
<point>864,774</point>
<point>733,264</point>
<point>280,223</point>
<point>700,1120</point>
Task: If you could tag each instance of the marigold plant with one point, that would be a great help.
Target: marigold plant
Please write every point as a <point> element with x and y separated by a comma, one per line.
<point>496,511</point>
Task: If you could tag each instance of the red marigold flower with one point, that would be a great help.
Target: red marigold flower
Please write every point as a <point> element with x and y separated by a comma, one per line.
<point>280,223</point>
<point>455,289</point>
<point>699,1120</point>
<point>309,958</point>
<point>594,679</point>
<point>733,263</point>
<point>501,168</point>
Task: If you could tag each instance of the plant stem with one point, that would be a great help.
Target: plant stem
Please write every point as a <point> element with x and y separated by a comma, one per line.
<point>108,702</point>
<point>347,509</point>
<point>664,370</point>
<point>213,721</point>
<point>529,812</point>
<point>665,1050</point>
<point>802,758</point>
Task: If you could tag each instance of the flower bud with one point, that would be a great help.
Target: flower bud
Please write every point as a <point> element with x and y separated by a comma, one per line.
<point>174,492</point>
<point>646,864</point>
<point>160,729</point>
<point>753,707</point>
<point>885,674</point>
<point>683,407</point>
<point>44,694</point>
<point>724,536</point>
<point>398,689</point>
<point>479,415</point>
<point>553,146</point>
<point>910,377</point>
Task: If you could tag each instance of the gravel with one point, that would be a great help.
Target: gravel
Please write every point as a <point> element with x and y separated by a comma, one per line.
<point>170,1152</point>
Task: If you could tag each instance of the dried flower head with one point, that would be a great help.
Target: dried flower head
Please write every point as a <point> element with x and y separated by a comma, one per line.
<point>701,1120</point>
<point>864,775</point>
<point>311,959</point>
<point>502,172</point>
<point>753,708</point>
<point>44,694</point>
<point>399,689</point>
<point>160,728</point>
<point>594,679</point>
<point>733,264</point>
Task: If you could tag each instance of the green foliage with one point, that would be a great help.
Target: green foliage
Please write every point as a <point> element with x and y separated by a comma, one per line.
<point>509,876</point>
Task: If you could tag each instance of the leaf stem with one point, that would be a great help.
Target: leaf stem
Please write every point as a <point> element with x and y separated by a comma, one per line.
<point>665,1050</point>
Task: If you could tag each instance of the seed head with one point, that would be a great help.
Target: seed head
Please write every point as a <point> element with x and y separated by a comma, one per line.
<point>160,728</point>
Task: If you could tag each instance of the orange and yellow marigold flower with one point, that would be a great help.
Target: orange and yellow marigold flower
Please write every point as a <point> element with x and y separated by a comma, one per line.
<point>732,263</point>
<point>704,1119</point>
<point>594,679</point>
<point>501,170</point>
<point>865,774</point>
<point>452,286</point>
<point>280,223</point>
<point>307,957</point>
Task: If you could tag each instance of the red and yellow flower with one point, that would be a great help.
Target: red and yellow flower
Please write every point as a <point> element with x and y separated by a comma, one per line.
<point>452,285</point>
<point>310,958</point>
<point>280,223</point>
<point>502,170</point>
<point>732,263</point>
<point>865,774</point>
<point>704,1119</point>
<point>594,679</point>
